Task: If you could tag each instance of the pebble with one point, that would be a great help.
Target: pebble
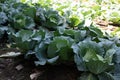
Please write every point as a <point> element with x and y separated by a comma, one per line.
<point>19,67</point>
<point>34,76</point>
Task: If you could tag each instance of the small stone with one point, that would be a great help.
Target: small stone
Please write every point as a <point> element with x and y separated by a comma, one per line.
<point>19,67</point>
<point>34,76</point>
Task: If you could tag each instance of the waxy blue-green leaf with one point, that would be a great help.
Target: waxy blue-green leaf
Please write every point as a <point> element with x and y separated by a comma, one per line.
<point>87,76</point>
<point>69,32</point>
<point>96,31</point>
<point>3,18</point>
<point>41,54</point>
<point>60,46</point>
<point>38,35</point>
<point>25,35</point>
<point>109,55</point>
<point>86,45</point>
<point>24,46</point>
<point>97,66</point>
<point>30,11</point>
<point>78,59</point>
<point>80,35</point>
<point>116,72</point>
<point>106,44</point>
<point>52,60</point>
<point>81,66</point>
<point>116,57</point>
<point>105,76</point>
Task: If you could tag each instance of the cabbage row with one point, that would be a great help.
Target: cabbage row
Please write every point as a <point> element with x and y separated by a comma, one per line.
<point>47,37</point>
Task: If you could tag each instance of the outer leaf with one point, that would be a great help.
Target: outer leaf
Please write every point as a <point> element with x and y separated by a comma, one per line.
<point>75,48</point>
<point>66,54</point>
<point>3,18</point>
<point>97,66</point>
<point>80,35</point>
<point>116,57</point>
<point>30,11</point>
<point>24,46</point>
<point>41,62</point>
<point>52,60</point>
<point>106,44</point>
<point>29,23</point>
<point>116,72</point>
<point>24,35</point>
<point>40,54</point>
<point>96,31</point>
<point>52,49</point>
<point>3,28</point>
<point>28,54</point>
<point>58,46</point>
<point>69,32</point>
<point>78,58</point>
<point>80,63</point>
<point>109,55</point>
<point>86,45</point>
<point>105,76</point>
<point>88,76</point>
<point>38,35</point>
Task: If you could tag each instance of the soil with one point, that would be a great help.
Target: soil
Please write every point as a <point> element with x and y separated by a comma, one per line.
<point>106,26</point>
<point>8,71</point>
